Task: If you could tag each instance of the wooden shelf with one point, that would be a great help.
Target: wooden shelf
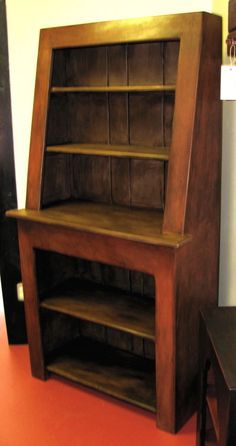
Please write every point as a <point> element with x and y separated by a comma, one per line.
<point>159,153</point>
<point>109,370</point>
<point>114,89</point>
<point>116,221</point>
<point>104,305</point>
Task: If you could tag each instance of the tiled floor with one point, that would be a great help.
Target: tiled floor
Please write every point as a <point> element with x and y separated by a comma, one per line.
<point>53,413</point>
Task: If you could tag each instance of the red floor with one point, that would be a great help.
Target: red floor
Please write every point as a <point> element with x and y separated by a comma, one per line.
<point>53,413</point>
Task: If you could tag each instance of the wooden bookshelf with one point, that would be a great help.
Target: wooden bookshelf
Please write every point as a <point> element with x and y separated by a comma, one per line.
<point>119,240</point>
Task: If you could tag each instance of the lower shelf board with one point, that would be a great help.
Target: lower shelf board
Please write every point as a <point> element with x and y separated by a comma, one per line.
<point>109,370</point>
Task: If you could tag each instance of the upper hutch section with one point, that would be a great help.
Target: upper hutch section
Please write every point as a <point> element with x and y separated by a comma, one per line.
<point>116,107</point>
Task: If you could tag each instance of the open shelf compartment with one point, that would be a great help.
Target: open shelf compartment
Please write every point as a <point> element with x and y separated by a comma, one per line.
<point>105,305</point>
<point>109,370</point>
<point>105,334</point>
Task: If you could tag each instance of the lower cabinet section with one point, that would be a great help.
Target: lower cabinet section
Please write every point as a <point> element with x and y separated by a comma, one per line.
<point>95,334</point>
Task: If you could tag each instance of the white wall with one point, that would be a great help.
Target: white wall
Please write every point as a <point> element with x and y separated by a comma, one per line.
<point>25,18</point>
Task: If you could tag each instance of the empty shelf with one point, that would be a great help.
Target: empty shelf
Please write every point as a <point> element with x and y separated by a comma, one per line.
<point>109,370</point>
<point>104,305</point>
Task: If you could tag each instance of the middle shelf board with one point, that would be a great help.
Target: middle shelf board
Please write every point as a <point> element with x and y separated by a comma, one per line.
<point>104,305</point>
<point>113,89</point>
<point>127,151</point>
<point>138,225</point>
<point>107,369</point>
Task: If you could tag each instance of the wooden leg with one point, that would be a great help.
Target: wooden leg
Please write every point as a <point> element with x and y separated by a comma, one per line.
<point>232,420</point>
<point>226,412</point>
<point>165,344</point>
<point>28,270</point>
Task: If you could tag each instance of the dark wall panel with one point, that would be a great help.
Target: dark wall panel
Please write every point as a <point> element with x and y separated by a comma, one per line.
<point>9,258</point>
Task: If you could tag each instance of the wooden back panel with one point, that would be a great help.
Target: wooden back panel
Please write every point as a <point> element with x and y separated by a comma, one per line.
<point>136,118</point>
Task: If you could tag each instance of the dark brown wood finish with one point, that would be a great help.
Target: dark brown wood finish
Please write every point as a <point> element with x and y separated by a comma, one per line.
<point>124,192</point>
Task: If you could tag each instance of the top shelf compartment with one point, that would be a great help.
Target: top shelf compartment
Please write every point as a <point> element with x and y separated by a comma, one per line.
<point>114,103</point>
<point>146,66</point>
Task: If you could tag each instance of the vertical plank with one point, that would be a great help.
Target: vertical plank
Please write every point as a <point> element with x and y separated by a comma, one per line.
<point>147,183</point>
<point>91,178</point>
<point>120,171</point>
<point>119,125</point>
<point>119,339</point>
<point>87,66</point>
<point>136,282</point>
<point>148,286</point>
<point>56,179</point>
<point>39,123</point>
<point>171,57</point>
<point>88,118</point>
<point>145,114</point>
<point>58,120</point>
<point>168,114</point>
<point>93,331</point>
<point>145,63</point>
<point>59,66</point>
<point>117,60</point>
<point>57,330</point>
